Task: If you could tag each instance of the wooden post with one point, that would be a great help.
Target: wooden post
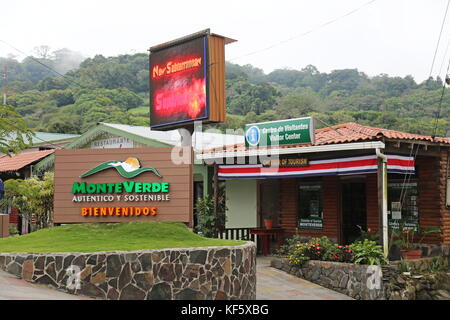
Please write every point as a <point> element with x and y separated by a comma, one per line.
<point>216,188</point>
<point>382,204</point>
<point>4,225</point>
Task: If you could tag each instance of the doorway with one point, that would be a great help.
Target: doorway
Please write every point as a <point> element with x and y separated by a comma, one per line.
<point>353,210</point>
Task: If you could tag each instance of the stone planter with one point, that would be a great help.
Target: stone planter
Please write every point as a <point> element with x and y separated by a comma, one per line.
<point>201,273</point>
<point>411,254</point>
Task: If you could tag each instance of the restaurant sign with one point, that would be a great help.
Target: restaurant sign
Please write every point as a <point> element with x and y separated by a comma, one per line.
<point>311,223</point>
<point>283,132</point>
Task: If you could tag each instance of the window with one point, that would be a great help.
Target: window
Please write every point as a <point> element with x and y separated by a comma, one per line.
<point>310,201</point>
<point>402,204</point>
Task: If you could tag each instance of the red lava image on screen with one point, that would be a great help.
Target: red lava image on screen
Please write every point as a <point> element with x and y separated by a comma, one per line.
<point>178,83</point>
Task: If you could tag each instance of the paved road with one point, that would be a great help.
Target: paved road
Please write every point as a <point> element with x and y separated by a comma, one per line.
<point>13,288</point>
<point>274,284</point>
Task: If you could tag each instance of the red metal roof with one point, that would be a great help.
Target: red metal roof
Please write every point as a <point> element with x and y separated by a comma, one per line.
<point>346,133</point>
<point>18,161</point>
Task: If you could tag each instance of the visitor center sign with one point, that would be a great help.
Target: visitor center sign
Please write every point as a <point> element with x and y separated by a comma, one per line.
<point>283,132</point>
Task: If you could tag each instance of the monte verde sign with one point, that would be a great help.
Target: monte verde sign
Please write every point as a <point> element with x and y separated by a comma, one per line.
<point>89,187</point>
<point>283,132</point>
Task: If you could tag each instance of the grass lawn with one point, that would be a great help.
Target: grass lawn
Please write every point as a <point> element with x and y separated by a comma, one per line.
<point>90,237</point>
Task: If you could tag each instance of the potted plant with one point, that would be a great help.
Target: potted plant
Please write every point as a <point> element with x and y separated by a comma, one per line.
<point>405,240</point>
<point>268,221</point>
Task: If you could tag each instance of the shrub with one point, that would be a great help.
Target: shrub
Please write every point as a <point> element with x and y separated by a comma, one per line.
<point>314,249</point>
<point>209,224</point>
<point>298,254</point>
<point>318,248</point>
<point>360,252</point>
<point>289,247</point>
<point>339,253</point>
<point>13,231</point>
<point>367,252</point>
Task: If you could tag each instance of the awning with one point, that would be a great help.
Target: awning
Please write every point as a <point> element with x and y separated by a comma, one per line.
<point>339,166</point>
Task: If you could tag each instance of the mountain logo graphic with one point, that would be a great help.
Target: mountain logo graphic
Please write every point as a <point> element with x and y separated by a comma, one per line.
<point>129,168</point>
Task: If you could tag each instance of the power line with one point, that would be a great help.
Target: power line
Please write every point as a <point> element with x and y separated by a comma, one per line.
<point>11,124</point>
<point>443,58</point>
<point>42,64</point>
<point>328,126</point>
<point>439,38</point>
<point>47,67</point>
<point>438,113</point>
<point>307,32</point>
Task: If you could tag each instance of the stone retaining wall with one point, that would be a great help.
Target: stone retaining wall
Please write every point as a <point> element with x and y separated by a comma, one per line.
<point>169,274</point>
<point>365,282</point>
<point>357,281</point>
<point>419,283</point>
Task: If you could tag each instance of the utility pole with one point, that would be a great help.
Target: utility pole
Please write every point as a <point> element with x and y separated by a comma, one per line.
<point>5,83</point>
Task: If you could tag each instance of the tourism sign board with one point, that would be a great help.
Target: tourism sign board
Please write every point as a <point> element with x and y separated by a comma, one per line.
<point>118,185</point>
<point>283,162</point>
<point>282,132</point>
<point>187,81</point>
<point>311,223</point>
<point>406,224</point>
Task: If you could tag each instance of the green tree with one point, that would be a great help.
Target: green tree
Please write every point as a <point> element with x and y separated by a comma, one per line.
<point>14,132</point>
<point>297,104</point>
<point>33,197</point>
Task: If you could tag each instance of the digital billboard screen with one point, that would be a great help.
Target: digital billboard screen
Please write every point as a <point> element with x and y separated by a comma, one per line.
<point>178,84</point>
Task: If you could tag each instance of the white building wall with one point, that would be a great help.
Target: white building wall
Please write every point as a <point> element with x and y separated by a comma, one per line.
<point>241,201</point>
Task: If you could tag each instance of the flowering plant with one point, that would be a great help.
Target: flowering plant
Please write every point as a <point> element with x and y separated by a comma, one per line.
<point>359,252</point>
<point>340,254</point>
<point>298,255</point>
<point>314,249</point>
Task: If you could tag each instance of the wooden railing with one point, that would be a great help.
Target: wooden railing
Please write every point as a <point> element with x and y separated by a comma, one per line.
<point>236,234</point>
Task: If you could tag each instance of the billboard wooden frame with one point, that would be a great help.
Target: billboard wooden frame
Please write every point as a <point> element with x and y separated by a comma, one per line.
<point>71,164</point>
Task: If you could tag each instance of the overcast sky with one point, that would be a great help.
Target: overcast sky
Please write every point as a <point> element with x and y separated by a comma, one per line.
<point>397,37</point>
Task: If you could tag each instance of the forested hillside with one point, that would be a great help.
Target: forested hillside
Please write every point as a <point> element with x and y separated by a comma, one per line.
<point>115,89</point>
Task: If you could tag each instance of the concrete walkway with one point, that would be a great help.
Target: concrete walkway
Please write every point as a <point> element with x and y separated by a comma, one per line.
<point>274,284</point>
<point>13,288</point>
